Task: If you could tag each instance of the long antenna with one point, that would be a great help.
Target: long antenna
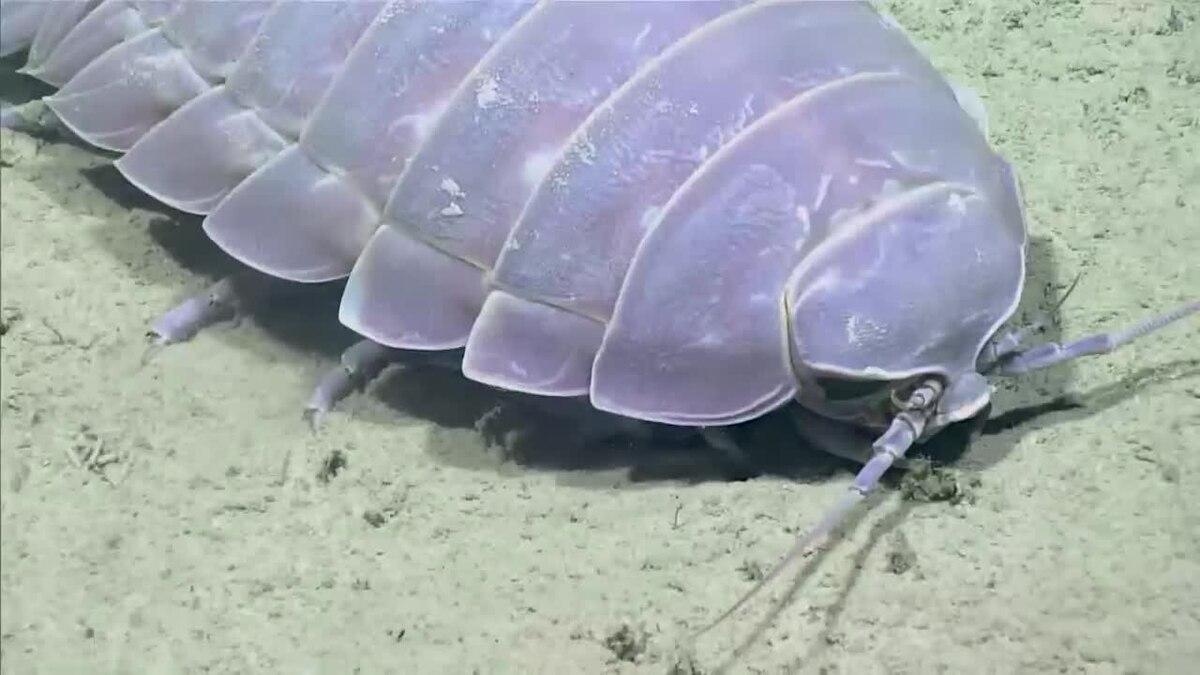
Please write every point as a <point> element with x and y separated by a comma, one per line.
<point>906,428</point>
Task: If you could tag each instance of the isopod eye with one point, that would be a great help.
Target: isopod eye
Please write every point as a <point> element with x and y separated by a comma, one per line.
<point>838,389</point>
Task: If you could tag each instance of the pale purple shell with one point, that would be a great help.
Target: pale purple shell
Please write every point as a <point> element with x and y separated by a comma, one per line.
<point>692,212</point>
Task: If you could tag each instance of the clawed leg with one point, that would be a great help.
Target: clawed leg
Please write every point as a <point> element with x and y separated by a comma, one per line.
<point>360,364</point>
<point>1052,353</point>
<point>22,118</point>
<point>1017,339</point>
<point>723,442</point>
<point>840,439</point>
<point>33,118</point>
<point>11,117</point>
<point>227,300</point>
<point>906,428</point>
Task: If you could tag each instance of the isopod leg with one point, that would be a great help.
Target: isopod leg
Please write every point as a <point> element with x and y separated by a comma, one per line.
<point>226,300</point>
<point>32,118</point>
<point>15,118</point>
<point>1016,340</point>
<point>360,364</point>
<point>1053,353</point>
<point>833,437</point>
<point>729,449</point>
<point>906,428</point>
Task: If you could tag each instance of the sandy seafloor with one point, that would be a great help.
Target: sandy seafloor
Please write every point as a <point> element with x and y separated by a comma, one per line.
<point>217,544</point>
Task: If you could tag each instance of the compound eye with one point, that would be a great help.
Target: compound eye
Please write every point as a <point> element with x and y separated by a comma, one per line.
<point>837,389</point>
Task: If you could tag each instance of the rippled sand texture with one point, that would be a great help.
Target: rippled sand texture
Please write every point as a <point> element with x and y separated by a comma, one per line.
<point>177,516</point>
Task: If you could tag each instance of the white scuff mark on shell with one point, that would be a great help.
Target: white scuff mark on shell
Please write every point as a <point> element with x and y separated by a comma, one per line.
<point>420,124</point>
<point>822,191</point>
<point>956,203</point>
<point>745,114</point>
<point>873,163</point>
<point>560,179</point>
<point>584,150</point>
<point>805,221</point>
<point>637,41</point>
<point>852,179</point>
<point>537,165</point>
<point>389,12</point>
<point>902,160</point>
<point>452,211</point>
<point>860,330</point>
<point>487,94</point>
<point>451,188</point>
